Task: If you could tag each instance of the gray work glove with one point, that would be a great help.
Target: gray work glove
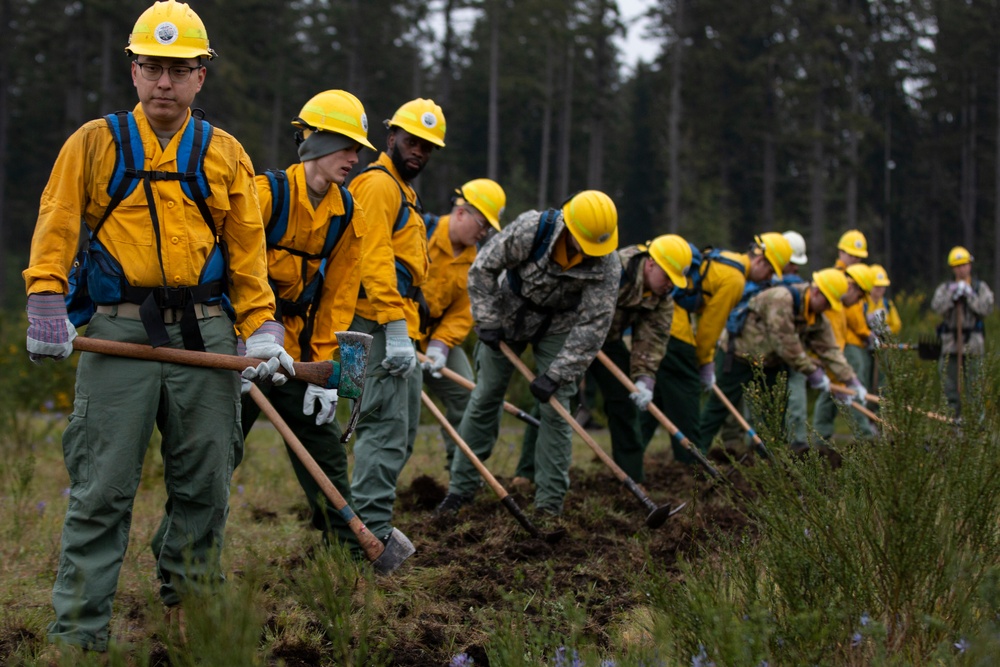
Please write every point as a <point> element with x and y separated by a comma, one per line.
<point>437,357</point>
<point>400,357</point>
<point>643,393</point>
<point>327,404</point>
<point>859,390</point>
<point>707,376</point>
<point>50,333</point>
<point>818,379</point>
<point>267,342</point>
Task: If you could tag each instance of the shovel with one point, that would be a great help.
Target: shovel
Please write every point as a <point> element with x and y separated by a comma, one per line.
<point>506,499</point>
<point>658,514</point>
<point>384,557</point>
<point>758,443</point>
<point>346,375</point>
<point>660,417</point>
<point>929,348</point>
<point>509,408</point>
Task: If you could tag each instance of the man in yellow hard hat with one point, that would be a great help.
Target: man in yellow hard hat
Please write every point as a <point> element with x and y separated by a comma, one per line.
<point>315,232</point>
<point>688,368</point>
<point>782,323</point>
<point>851,330</point>
<point>452,240</point>
<point>167,259</point>
<point>973,300</point>
<point>649,271</point>
<point>394,270</point>
<point>549,279</point>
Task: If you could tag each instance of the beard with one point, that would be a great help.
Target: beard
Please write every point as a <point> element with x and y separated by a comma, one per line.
<point>406,171</point>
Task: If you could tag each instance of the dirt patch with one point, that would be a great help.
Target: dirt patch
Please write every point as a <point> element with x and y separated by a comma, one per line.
<point>482,553</point>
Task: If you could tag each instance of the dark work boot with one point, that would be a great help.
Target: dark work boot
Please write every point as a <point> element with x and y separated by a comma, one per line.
<point>451,504</point>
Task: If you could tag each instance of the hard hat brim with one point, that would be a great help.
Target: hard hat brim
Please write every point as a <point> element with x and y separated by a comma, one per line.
<point>171,51</point>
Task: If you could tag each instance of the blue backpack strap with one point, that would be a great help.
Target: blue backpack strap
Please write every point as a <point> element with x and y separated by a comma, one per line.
<point>431,222</point>
<point>543,234</point>
<point>405,207</point>
<point>338,225</point>
<point>191,156</point>
<point>277,224</point>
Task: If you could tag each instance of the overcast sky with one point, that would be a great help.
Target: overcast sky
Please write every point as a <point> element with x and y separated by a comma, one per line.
<point>634,47</point>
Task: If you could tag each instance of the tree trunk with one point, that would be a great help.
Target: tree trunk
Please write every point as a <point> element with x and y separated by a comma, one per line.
<point>674,123</point>
<point>887,191</point>
<point>565,131</point>
<point>770,178</point>
<point>595,152</point>
<point>968,178</point>
<point>77,58</point>
<point>817,180</point>
<point>851,195</point>
<point>493,145</point>
<point>108,42</point>
<point>5,40</point>
<point>543,167</point>
<point>996,194</point>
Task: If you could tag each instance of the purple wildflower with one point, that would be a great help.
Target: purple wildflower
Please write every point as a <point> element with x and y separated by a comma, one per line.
<point>856,639</point>
<point>701,660</point>
<point>239,490</point>
<point>65,492</point>
<point>560,659</point>
<point>461,660</point>
<point>962,645</point>
<point>865,619</point>
<point>40,507</point>
<point>608,663</point>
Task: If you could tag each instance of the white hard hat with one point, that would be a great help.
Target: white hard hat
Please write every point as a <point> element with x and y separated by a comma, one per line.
<point>798,248</point>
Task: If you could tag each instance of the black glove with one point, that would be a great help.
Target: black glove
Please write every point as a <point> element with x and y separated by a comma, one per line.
<point>543,387</point>
<point>491,338</point>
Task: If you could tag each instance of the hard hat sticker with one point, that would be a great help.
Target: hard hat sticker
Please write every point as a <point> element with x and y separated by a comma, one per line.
<point>166,33</point>
<point>603,237</point>
<point>364,122</point>
<point>428,119</point>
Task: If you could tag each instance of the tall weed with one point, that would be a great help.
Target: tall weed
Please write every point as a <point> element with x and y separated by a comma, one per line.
<point>892,559</point>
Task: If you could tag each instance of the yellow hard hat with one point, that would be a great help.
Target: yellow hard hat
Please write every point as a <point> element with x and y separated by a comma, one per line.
<point>881,276</point>
<point>863,275</point>
<point>592,219</point>
<point>335,111</point>
<point>672,254</point>
<point>421,118</point>
<point>169,29</point>
<point>833,284</point>
<point>487,197</point>
<point>777,250</point>
<point>959,256</point>
<point>854,244</point>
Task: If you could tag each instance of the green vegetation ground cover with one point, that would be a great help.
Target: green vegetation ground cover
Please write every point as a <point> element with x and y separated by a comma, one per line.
<point>890,559</point>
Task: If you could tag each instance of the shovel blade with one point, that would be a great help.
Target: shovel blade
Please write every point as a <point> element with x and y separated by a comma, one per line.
<point>397,549</point>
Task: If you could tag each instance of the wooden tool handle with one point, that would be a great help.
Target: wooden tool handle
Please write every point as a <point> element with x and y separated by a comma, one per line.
<point>371,545</point>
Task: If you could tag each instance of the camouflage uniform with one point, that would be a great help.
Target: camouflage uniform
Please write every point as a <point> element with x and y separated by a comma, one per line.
<point>563,313</point>
<point>776,337</point>
<point>976,307</point>
<point>649,317</point>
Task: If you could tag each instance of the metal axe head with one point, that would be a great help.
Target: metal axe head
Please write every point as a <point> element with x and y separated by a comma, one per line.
<point>397,549</point>
<point>354,348</point>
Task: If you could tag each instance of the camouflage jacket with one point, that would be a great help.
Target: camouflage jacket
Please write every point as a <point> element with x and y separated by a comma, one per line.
<point>579,301</point>
<point>647,314</point>
<point>976,308</point>
<point>774,333</point>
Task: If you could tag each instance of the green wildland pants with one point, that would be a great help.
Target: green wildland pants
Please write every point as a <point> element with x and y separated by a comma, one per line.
<point>797,412</point>
<point>825,409</point>
<point>118,402</point>
<point>678,395</point>
<point>452,395</point>
<point>481,424</point>
<point>390,414</point>
<point>627,446</point>
<point>948,366</point>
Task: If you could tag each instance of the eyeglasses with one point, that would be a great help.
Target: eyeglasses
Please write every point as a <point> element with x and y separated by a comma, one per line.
<point>483,225</point>
<point>177,73</point>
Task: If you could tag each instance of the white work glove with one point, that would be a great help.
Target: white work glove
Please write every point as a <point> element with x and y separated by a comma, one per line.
<point>327,403</point>
<point>873,341</point>
<point>959,290</point>
<point>818,379</point>
<point>707,375</point>
<point>876,319</point>
<point>643,393</point>
<point>267,342</point>
<point>437,357</point>
<point>859,390</point>
<point>400,357</point>
<point>50,333</point>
